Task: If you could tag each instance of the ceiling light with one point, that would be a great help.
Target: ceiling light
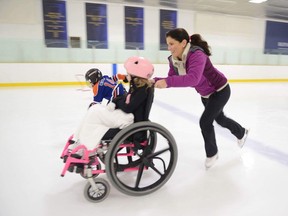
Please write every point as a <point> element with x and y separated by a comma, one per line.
<point>257,1</point>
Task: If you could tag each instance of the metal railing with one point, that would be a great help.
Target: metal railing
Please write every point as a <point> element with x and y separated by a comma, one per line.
<point>35,51</point>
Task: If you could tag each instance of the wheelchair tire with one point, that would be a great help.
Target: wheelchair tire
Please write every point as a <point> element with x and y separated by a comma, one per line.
<point>150,167</point>
<point>100,194</point>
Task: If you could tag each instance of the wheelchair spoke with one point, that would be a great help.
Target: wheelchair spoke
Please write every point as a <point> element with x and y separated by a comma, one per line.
<point>139,175</point>
<point>156,170</point>
<point>158,153</point>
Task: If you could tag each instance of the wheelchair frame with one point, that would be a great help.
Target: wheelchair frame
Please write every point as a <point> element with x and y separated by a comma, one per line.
<point>133,167</point>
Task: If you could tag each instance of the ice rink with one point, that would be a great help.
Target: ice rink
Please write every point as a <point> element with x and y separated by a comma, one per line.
<point>36,122</point>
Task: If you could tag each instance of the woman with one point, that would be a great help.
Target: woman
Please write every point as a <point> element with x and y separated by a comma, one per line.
<point>190,66</point>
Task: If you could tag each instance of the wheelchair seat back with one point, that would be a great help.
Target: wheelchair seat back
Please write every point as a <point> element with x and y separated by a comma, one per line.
<point>139,137</point>
<point>149,103</point>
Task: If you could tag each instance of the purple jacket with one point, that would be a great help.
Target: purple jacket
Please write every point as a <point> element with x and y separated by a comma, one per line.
<point>200,74</point>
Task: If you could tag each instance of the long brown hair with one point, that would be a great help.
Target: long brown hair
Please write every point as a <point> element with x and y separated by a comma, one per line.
<point>197,40</point>
<point>139,82</point>
<point>180,34</point>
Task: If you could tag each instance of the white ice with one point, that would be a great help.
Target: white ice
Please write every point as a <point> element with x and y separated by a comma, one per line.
<point>36,122</point>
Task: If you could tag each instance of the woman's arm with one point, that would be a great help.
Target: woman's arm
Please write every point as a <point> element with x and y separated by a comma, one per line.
<point>195,65</point>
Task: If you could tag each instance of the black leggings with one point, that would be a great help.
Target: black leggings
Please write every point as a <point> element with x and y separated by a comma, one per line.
<point>214,111</point>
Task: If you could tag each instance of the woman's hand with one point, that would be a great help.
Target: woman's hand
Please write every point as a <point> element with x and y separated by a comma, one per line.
<point>161,84</point>
<point>152,81</point>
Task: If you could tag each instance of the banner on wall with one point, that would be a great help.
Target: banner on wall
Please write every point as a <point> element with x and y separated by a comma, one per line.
<point>96,25</point>
<point>276,38</point>
<point>134,28</point>
<point>168,21</point>
<point>55,24</point>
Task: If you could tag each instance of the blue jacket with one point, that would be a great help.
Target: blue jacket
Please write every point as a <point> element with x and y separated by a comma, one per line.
<point>104,89</point>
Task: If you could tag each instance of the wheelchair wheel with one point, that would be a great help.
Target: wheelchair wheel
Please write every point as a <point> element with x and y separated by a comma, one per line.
<point>141,171</point>
<point>99,194</point>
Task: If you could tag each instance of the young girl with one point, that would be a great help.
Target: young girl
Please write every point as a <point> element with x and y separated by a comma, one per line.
<point>104,86</point>
<point>103,122</point>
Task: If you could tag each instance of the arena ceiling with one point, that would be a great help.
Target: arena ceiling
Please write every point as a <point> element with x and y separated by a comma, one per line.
<point>271,9</point>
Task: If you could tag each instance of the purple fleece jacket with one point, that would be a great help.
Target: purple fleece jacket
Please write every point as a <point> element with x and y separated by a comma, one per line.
<point>200,74</point>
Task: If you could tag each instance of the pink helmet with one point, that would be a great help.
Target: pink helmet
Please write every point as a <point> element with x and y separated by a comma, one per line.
<point>139,67</point>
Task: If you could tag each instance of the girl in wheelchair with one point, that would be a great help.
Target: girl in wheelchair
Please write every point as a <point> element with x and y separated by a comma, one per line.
<point>104,122</point>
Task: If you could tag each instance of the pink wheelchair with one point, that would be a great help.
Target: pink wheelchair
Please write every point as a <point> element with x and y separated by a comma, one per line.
<point>138,160</point>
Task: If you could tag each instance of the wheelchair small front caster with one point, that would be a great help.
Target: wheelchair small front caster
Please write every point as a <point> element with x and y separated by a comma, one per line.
<point>97,190</point>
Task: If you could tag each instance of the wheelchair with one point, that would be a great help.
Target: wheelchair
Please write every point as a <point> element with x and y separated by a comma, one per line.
<point>138,160</point>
